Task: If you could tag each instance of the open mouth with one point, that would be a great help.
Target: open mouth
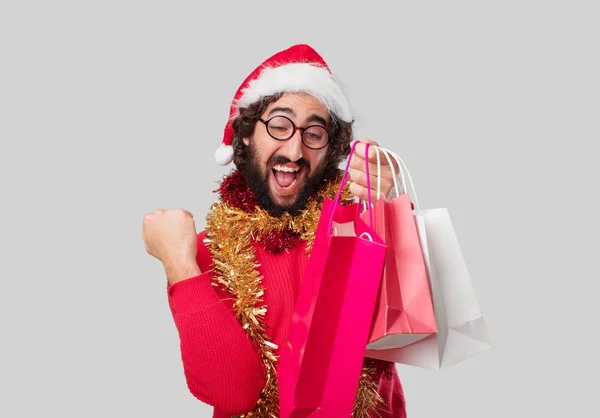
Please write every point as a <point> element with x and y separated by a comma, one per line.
<point>286,178</point>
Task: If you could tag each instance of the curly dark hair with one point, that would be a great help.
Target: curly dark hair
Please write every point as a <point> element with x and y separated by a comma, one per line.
<point>339,131</point>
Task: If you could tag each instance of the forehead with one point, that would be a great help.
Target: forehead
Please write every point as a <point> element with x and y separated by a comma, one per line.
<point>302,104</point>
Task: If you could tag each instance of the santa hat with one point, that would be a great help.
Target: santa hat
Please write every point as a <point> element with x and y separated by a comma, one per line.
<point>297,69</point>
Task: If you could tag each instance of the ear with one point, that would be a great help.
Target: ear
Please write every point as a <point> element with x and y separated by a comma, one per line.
<point>246,141</point>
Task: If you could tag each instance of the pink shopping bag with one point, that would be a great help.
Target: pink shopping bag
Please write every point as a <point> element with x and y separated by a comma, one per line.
<point>404,313</point>
<point>320,365</point>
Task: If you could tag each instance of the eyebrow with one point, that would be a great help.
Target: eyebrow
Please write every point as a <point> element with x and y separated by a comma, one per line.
<point>281,109</point>
<point>290,111</point>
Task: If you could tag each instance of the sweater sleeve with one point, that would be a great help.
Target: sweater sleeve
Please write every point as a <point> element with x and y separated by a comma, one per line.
<point>221,365</point>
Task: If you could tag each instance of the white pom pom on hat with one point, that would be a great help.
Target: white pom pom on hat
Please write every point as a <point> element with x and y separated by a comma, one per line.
<point>297,69</point>
<point>224,154</point>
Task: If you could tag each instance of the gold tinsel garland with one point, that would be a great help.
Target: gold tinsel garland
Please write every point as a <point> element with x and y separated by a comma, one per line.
<point>230,233</point>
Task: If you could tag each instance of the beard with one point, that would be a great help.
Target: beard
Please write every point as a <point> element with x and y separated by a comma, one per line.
<point>258,181</point>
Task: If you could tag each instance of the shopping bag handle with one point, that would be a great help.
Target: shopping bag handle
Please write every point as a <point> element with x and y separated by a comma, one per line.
<point>345,178</point>
<point>401,164</point>
<point>387,157</point>
<point>369,185</point>
<point>345,175</point>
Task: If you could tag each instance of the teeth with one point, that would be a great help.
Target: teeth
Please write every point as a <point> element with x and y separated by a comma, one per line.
<point>286,169</point>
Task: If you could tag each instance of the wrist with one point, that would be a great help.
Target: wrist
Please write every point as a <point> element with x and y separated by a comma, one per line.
<point>181,269</point>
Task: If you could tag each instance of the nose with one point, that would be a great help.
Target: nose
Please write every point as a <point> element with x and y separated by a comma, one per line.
<point>292,148</point>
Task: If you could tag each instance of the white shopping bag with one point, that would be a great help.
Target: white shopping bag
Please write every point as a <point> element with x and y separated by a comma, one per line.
<point>462,331</point>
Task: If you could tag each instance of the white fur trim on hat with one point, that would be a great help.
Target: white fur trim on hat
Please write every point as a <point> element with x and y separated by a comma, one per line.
<point>299,78</point>
<point>224,154</point>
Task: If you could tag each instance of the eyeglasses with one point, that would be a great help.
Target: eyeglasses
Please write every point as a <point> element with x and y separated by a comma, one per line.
<point>282,128</point>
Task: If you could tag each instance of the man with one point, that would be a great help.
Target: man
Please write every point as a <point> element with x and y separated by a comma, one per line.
<point>232,287</point>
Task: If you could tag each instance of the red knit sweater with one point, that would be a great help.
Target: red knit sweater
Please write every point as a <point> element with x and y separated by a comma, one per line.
<point>221,365</point>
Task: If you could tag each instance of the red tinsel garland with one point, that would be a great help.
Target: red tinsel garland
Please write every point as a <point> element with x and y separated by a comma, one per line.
<point>234,191</point>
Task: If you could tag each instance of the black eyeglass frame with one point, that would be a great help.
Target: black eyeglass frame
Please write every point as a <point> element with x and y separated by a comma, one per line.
<point>294,129</point>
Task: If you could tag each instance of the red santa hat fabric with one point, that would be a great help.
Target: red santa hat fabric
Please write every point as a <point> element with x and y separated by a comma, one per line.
<point>297,69</point>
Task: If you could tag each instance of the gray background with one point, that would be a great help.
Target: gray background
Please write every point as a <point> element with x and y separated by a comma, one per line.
<point>111,109</point>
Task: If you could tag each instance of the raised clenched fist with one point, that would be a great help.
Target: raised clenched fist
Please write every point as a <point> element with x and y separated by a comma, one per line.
<point>170,235</point>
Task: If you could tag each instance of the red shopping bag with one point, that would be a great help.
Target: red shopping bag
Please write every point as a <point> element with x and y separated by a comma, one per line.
<point>404,313</point>
<point>320,365</point>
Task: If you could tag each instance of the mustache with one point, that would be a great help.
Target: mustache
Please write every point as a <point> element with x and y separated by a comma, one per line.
<point>280,159</point>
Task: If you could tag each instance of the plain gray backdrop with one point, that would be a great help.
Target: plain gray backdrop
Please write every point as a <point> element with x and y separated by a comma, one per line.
<point>111,109</point>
